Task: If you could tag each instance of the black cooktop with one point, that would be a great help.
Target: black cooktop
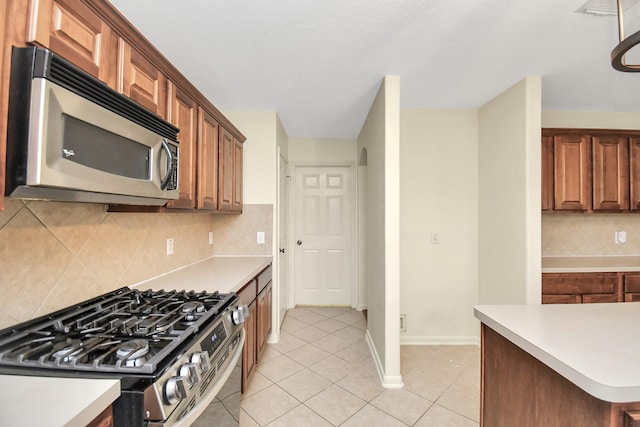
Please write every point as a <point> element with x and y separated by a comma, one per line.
<point>126,331</point>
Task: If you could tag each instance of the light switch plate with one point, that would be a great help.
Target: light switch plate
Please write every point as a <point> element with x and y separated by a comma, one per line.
<point>170,246</point>
<point>260,237</point>
<point>211,237</point>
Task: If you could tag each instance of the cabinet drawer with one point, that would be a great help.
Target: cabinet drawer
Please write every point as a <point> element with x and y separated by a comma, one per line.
<point>248,293</point>
<point>591,298</point>
<point>264,278</point>
<point>561,299</point>
<point>578,283</point>
<point>632,282</point>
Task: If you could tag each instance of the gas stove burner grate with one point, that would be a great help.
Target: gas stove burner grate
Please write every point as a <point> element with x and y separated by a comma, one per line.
<point>122,331</point>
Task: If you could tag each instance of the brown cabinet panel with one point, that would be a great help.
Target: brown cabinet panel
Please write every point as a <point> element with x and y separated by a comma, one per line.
<point>70,29</point>
<point>249,351</point>
<point>207,184</point>
<point>141,81</point>
<point>547,173</point>
<point>572,288</point>
<point>264,317</point>
<point>236,202</point>
<point>561,299</point>
<point>571,161</point>
<point>183,114</point>
<point>634,173</point>
<point>104,419</point>
<point>610,173</point>
<point>226,175</point>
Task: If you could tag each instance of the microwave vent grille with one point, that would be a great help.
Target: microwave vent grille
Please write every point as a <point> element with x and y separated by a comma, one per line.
<point>68,76</point>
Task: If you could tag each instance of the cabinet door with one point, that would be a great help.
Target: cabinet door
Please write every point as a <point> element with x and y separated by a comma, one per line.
<point>237,176</point>
<point>73,31</point>
<point>207,183</point>
<point>547,173</point>
<point>610,173</point>
<point>226,173</point>
<point>141,81</point>
<point>184,115</point>
<point>634,171</point>
<point>249,353</point>
<point>571,168</point>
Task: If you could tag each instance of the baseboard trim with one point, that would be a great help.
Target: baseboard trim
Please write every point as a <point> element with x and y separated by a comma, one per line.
<point>387,381</point>
<point>438,340</point>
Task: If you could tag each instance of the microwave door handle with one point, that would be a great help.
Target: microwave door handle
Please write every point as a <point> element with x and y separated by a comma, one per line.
<point>165,180</point>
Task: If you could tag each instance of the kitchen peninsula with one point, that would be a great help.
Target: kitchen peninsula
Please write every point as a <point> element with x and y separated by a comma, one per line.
<point>560,365</point>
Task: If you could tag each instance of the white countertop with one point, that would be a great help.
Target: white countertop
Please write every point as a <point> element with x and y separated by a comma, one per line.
<point>218,273</point>
<point>590,264</point>
<point>40,401</point>
<point>595,346</point>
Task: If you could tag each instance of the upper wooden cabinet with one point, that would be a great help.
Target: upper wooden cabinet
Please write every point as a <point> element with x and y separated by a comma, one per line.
<point>230,174</point>
<point>183,113</point>
<point>95,37</point>
<point>547,173</point>
<point>141,80</point>
<point>73,31</point>
<point>634,173</point>
<point>610,173</point>
<point>591,170</point>
<point>571,179</point>
<point>208,164</point>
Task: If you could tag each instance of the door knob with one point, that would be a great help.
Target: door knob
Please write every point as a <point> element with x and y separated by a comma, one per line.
<point>281,250</point>
<point>299,242</point>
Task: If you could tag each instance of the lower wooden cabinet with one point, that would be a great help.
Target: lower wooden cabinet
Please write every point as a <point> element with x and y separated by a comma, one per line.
<point>105,419</point>
<point>576,288</point>
<point>257,295</point>
<point>249,352</point>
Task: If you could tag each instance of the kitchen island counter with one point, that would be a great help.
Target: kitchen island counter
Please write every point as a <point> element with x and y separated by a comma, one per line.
<point>218,273</point>
<point>559,362</point>
<point>46,401</point>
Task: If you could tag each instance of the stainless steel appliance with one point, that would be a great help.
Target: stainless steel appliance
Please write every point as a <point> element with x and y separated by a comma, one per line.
<point>70,137</point>
<point>172,351</point>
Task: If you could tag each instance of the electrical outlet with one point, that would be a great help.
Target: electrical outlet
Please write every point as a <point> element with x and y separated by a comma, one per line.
<point>170,246</point>
<point>211,237</point>
<point>260,237</point>
<point>621,237</point>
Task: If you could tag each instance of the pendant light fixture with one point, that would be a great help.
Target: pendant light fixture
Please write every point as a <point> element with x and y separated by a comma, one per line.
<point>617,54</point>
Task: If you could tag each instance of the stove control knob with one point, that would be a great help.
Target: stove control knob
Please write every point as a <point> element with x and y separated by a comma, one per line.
<point>201,360</point>
<point>190,373</point>
<point>245,310</point>
<point>237,316</point>
<point>175,390</point>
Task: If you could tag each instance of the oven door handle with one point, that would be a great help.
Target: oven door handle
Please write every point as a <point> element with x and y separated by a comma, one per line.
<point>207,398</point>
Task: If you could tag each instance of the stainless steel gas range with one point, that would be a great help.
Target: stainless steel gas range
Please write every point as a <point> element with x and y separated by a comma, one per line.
<point>171,350</point>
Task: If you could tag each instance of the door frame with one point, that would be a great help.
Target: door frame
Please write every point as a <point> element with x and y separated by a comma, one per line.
<point>353,215</point>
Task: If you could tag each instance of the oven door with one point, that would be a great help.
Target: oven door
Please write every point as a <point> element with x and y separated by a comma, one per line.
<point>220,405</point>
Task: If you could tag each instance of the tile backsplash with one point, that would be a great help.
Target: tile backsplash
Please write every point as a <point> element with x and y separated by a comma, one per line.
<point>589,234</point>
<point>56,254</point>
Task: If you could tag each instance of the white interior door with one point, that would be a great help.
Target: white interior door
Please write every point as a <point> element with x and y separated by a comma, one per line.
<point>283,238</point>
<point>323,272</point>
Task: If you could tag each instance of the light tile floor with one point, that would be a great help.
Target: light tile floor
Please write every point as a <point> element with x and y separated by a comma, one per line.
<point>321,373</point>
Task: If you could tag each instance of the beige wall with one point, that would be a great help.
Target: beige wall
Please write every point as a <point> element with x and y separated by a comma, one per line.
<point>576,234</point>
<point>380,136</point>
<point>318,150</point>
<point>260,158</point>
<point>509,196</point>
<point>439,194</point>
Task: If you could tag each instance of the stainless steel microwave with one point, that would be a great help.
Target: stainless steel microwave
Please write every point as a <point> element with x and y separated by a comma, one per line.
<point>72,138</point>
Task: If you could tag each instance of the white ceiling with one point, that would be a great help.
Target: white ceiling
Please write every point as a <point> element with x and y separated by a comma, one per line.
<point>319,63</point>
